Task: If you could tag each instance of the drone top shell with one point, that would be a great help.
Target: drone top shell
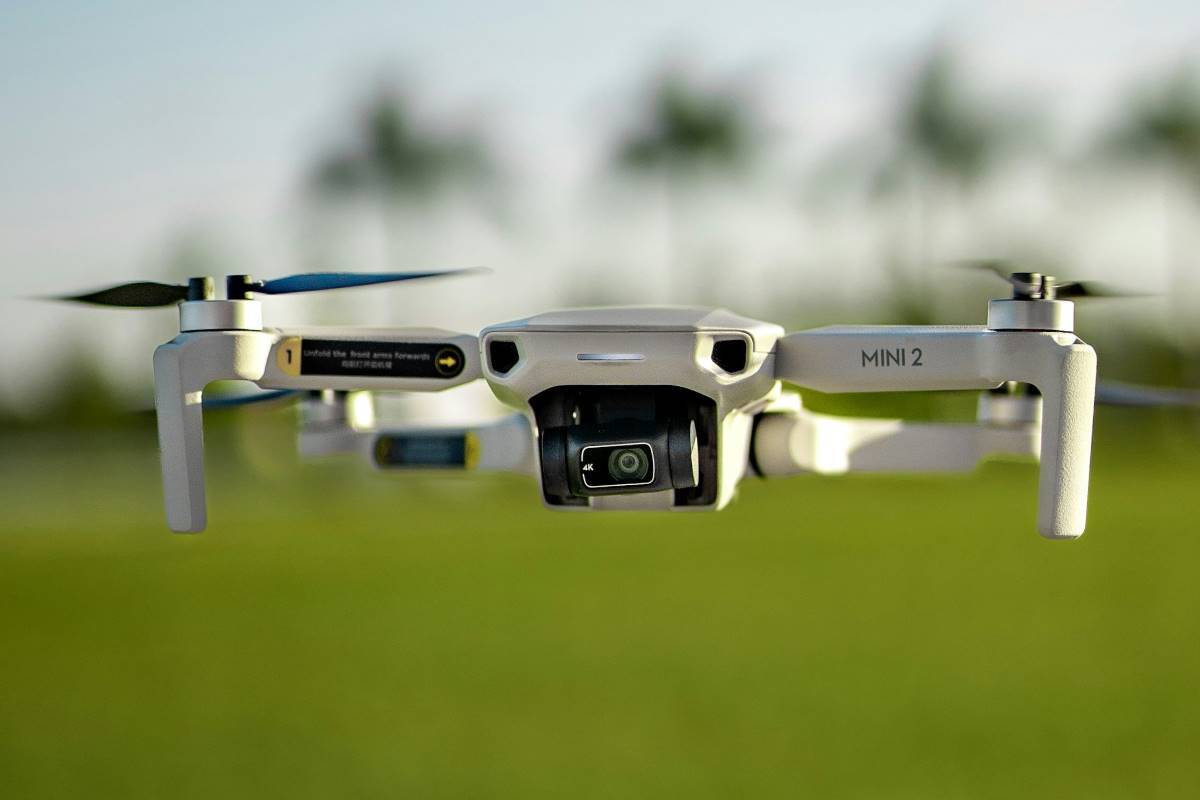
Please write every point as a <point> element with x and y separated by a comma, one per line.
<point>716,353</point>
<point>646,318</point>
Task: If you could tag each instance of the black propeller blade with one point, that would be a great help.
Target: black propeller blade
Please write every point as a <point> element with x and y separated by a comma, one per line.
<point>1072,290</point>
<point>1116,393</point>
<point>143,294</point>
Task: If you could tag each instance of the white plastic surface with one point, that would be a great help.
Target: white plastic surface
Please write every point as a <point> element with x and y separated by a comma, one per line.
<point>675,351</point>
<point>186,365</point>
<point>182,368</point>
<point>902,358</point>
<point>801,441</point>
<point>1031,315</point>
<point>220,315</point>
<point>674,348</point>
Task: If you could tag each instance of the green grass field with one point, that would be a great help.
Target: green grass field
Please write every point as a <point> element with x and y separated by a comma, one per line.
<point>341,633</point>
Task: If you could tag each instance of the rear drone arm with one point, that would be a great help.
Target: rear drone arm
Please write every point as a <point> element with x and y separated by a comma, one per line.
<point>348,426</point>
<point>501,446</point>
<point>796,440</point>
<point>889,359</point>
<point>234,348</point>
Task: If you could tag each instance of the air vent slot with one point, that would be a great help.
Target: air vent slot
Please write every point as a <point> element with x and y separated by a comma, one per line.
<point>502,356</point>
<point>730,354</point>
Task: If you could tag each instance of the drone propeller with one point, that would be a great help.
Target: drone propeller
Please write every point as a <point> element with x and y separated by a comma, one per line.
<point>1117,393</point>
<point>239,400</point>
<point>1137,396</point>
<point>1040,286</point>
<point>141,294</point>
<point>147,294</point>
<point>324,281</point>
<point>220,402</point>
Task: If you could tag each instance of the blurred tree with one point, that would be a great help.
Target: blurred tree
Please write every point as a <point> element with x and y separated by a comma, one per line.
<point>686,128</point>
<point>943,128</point>
<point>80,395</point>
<point>397,161</point>
<point>1161,128</point>
<point>1163,123</point>
<point>198,249</point>
<point>687,132</point>
<point>947,143</point>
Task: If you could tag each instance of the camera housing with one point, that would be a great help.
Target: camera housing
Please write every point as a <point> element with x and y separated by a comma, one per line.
<point>635,407</point>
<point>597,441</point>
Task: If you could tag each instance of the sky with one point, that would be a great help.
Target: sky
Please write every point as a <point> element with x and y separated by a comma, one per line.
<point>127,123</point>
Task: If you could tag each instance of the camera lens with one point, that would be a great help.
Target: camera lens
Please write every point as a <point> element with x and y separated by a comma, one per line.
<point>628,464</point>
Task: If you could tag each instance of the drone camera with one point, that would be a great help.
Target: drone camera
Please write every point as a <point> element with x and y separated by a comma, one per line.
<point>625,440</point>
<point>624,457</point>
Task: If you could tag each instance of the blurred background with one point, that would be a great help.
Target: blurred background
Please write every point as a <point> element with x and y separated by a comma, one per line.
<point>342,632</point>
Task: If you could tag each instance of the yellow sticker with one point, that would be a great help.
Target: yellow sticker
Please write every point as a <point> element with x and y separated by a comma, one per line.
<point>288,356</point>
<point>471,450</point>
<point>383,450</point>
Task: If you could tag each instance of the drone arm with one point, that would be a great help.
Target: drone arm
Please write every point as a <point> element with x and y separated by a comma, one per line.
<point>501,446</point>
<point>353,359</point>
<point>332,358</point>
<point>800,441</point>
<point>851,358</point>
<point>1064,370</point>
<point>182,369</point>
<point>882,359</point>
<point>346,424</point>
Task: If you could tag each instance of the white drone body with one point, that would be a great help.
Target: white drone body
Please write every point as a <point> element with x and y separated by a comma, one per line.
<point>591,373</point>
<point>651,408</point>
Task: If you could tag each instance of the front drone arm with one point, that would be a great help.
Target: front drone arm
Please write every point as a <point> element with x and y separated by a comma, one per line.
<point>382,359</point>
<point>890,359</point>
<point>329,358</point>
<point>182,368</point>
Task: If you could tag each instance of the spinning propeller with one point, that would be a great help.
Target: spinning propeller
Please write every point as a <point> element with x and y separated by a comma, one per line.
<point>250,398</point>
<point>148,294</point>
<point>1040,286</point>
<point>1111,393</point>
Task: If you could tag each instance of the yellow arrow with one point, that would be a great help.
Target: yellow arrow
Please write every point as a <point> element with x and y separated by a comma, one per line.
<point>447,361</point>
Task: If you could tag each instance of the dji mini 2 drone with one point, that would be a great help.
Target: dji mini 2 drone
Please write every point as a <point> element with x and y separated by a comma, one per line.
<point>639,408</point>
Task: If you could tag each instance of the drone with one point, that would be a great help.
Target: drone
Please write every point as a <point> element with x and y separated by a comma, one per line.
<point>639,408</point>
